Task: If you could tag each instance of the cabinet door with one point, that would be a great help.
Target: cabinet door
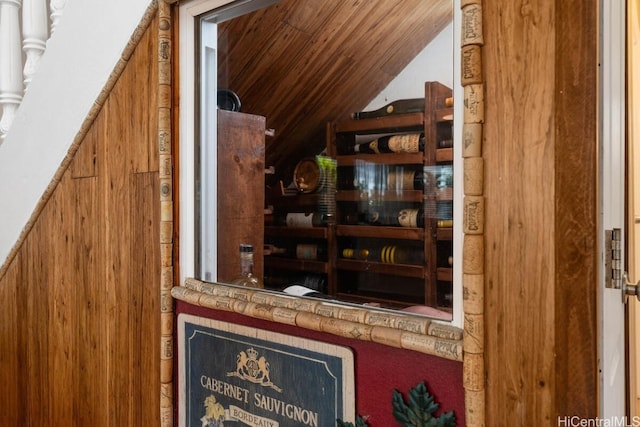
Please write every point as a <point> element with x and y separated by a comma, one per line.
<point>241,147</point>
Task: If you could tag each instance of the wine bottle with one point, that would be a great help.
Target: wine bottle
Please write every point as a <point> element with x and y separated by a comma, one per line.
<point>310,219</point>
<point>402,106</point>
<point>405,179</point>
<point>310,251</point>
<point>362,254</point>
<point>392,254</point>
<point>361,148</point>
<point>401,218</point>
<point>298,219</point>
<point>246,277</point>
<point>403,143</point>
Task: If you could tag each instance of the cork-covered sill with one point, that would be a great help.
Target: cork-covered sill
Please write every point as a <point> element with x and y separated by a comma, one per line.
<point>408,332</point>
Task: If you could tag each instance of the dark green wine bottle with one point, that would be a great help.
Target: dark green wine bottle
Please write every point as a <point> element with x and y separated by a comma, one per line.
<point>401,106</point>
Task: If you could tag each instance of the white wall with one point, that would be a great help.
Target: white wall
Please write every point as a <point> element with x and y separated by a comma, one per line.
<point>79,58</point>
<point>434,63</point>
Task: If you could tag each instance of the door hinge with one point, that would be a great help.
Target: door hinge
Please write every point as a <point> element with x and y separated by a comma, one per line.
<point>613,258</point>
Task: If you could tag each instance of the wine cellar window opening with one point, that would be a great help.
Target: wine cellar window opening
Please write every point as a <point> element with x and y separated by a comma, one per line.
<point>365,211</point>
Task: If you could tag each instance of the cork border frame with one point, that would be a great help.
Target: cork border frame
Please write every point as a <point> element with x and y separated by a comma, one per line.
<point>409,332</point>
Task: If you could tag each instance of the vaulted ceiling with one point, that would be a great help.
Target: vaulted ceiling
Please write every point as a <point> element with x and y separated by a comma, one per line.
<point>302,63</point>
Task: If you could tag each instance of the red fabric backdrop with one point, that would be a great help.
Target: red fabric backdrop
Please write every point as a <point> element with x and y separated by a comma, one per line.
<point>379,369</point>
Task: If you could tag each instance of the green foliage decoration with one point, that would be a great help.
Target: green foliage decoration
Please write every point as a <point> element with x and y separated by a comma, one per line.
<point>418,412</point>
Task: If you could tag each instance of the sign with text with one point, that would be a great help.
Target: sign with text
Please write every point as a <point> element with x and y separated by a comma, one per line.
<point>236,375</point>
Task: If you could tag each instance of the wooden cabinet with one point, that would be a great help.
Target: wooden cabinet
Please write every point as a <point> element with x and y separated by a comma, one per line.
<point>393,232</point>
<point>242,136</point>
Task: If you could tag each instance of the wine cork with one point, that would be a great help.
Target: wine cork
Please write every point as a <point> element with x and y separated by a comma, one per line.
<point>166,323</point>
<point>166,232</point>
<point>166,277</point>
<point>166,210</point>
<point>164,167</point>
<point>240,306</point>
<point>164,95</point>
<point>186,295</point>
<point>301,304</point>
<point>473,215</point>
<point>418,325</point>
<point>342,328</point>
<point>473,180</point>
<point>473,293</point>
<point>463,3</point>
<point>190,283</point>
<point>309,321</point>
<point>166,417</point>
<point>380,319</point>
<point>473,372</point>
<point>280,301</point>
<point>472,24</point>
<point>388,336</point>
<point>164,136</point>
<point>166,394</point>
<point>166,301</point>
<point>473,254</point>
<point>473,107</point>
<point>427,344</point>
<point>166,254</point>
<point>243,294</point>
<point>166,370</point>
<point>328,310</point>
<point>474,404</point>
<point>261,298</point>
<point>166,193</point>
<point>473,339</point>
<point>472,140</point>
<point>444,331</point>
<point>164,73</point>
<point>352,315</point>
<point>284,315</point>
<point>471,65</point>
<point>260,311</point>
<point>166,347</point>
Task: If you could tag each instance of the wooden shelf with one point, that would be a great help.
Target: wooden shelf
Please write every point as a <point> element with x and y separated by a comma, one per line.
<point>444,115</point>
<point>444,155</point>
<point>308,266</point>
<point>400,122</point>
<point>444,233</point>
<point>403,270</point>
<point>381,159</point>
<point>445,274</point>
<point>406,233</point>
<point>300,232</point>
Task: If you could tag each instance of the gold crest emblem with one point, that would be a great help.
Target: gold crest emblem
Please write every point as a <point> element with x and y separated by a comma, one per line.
<point>251,368</point>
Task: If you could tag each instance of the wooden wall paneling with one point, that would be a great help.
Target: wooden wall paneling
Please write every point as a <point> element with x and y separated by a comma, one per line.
<point>61,297</point>
<point>519,146</point>
<point>144,306</point>
<point>576,220</point>
<point>12,346</point>
<point>82,334</point>
<point>90,327</point>
<point>34,324</point>
<point>84,160</point>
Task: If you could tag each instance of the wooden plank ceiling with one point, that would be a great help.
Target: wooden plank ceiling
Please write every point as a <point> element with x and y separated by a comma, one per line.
<point>302,63</point>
